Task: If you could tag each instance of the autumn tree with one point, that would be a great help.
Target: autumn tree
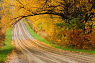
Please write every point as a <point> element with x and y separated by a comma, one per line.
<point>72,11</point>
<point>2,35</point>
<point>66,9</point>
<point>73,14</point>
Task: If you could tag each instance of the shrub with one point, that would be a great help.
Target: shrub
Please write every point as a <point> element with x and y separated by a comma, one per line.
<point>80,39</point>
<point>2,36</point>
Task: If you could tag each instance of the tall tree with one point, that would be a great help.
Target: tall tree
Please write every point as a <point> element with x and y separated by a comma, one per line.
<point>66,9</point>
<point>74,15</point>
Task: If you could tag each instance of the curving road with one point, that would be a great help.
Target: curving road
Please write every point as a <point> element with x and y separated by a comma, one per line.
<point>30,50</point>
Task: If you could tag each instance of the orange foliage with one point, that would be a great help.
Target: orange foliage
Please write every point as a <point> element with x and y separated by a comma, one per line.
<point>92,40</point>
<point>1,37</point>
<point>81,40</point>
<point>72,13</point>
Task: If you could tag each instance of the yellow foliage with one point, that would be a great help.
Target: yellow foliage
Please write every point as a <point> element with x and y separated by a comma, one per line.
<point>45,22</point>
<point>5,20</point>
<point>46,13</point>
<point>30,7</point>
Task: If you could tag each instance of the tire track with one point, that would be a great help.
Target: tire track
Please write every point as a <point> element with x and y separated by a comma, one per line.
<point>38,52</point>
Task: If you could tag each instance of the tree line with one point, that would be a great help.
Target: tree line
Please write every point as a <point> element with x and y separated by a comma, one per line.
<point>74,25</point>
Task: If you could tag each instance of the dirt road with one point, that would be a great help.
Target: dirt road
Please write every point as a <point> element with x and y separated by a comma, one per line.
<point>30,50</point>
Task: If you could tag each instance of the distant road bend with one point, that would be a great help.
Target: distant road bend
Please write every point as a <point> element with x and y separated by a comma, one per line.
<point>30,50</point>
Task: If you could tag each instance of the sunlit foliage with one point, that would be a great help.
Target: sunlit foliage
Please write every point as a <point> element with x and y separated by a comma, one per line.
<point>68,23</point>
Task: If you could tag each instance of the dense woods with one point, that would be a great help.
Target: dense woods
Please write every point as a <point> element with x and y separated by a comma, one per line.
<point>67,23</point>
<point>2,34</point>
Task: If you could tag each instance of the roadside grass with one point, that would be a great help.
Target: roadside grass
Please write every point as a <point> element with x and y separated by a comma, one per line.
<point>43,40</point>
<point>7,48</point>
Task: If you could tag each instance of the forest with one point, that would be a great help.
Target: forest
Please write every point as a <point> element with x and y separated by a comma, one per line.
<point>66,23</point>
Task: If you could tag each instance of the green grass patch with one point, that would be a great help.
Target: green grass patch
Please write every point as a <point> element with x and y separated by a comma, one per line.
<point>43,40</point>
<point>7,48</point>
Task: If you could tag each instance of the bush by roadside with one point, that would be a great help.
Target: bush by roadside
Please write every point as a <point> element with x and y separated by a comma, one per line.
<point>2,37</point>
